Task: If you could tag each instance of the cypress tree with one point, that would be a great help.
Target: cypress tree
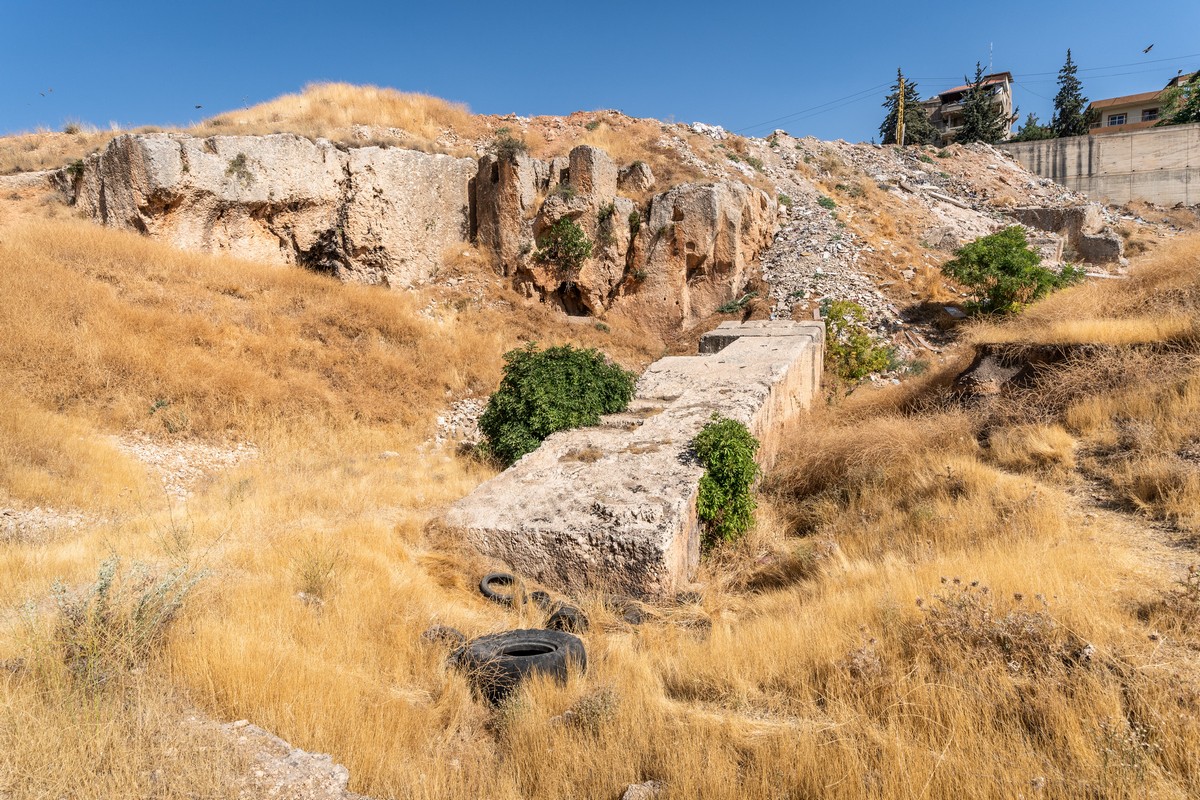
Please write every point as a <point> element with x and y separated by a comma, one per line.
<point>983,121</point>
<point>917,127</point>
<point>1069,118</point>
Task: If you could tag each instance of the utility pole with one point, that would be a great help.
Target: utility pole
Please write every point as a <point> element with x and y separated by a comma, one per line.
<point>900,116</point>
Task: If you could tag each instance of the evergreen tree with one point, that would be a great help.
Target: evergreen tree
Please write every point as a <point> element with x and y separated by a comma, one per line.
<point>1069,104</point>
<point>1031,130</point>
<point>917,127</point>
<point>1181,104</point>
<point>983,120</point>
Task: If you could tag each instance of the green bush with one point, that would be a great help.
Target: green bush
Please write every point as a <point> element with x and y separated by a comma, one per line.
<point>550,390</point>
<point>564,246</point>
<point>784,200</point>
<point>635,222</point>
<point>849,346</point>
<point>725,504</point>
<point>1004,273</point>
<point>506,146</point>
<point>826,202</point>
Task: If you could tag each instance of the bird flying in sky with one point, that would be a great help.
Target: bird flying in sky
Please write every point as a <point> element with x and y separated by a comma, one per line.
<point>1148,49</point>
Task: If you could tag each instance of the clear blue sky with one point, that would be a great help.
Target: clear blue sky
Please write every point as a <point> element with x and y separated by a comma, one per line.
<point>735,64</point>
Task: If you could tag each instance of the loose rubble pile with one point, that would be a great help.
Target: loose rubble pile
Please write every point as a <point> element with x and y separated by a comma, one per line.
<point>181,465</point>
<point>37,524</point>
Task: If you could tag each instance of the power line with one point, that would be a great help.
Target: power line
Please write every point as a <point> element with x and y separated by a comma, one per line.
<point>859,95</point>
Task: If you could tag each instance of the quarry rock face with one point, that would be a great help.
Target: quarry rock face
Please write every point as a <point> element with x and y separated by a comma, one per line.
<point>1083,227</point>
<point>384,216</point>
<point>614,506</point>
<point>682,257</point>
<point>369,214</point>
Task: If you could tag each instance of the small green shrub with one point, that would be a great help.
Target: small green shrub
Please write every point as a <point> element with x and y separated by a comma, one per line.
<point>754,162</point>
<point>851,350</point>
<point>75,169</point>
<point>826,202</point>
<point>943,153</point>
<point>725,504</point>
<point>1004,273</point>
<point>593,125</point>
<point>506,146</point>
<point>564,246</point>
<point>635,222</point>
<point>239,168</point>
<point>737,304</point>
<point>785,201</point>
<point>925,158</point>
<point>565,190</point>
<point>550,390</point>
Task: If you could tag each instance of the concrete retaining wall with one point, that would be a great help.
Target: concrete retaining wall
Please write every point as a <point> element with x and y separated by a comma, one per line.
<point>1158,165</point>
<point>614,506</point>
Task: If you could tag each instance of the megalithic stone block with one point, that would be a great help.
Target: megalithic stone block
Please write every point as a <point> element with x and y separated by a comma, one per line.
<point>614,506</point>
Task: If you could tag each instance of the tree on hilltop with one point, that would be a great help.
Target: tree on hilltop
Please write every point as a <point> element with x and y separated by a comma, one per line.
<point>983,120</point>
<point>1032,131</point>
<point>1069,117</point>
<point>917,127</point>
<point>1181,104</point>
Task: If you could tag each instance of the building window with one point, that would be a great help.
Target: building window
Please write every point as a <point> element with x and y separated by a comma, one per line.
<point>1149,114</point>
<point>1116,119</point>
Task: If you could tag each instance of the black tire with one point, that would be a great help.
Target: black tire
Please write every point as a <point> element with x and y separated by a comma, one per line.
<point>497,664</point>
<point>543,600</point>
<point>488,588</point>
<point>444,634</point>
<point>629,609</point>
<point>567,618</point>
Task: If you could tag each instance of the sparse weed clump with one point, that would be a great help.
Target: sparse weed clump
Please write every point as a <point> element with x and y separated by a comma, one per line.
<point>544,391</point>
<point>507,147</point>
<point>118,622</point>
<point>826,202</point>
<point>725,504</point>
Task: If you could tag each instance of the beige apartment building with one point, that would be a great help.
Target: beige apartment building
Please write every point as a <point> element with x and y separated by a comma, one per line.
<point>946,109</point>
<point>1132,111</point>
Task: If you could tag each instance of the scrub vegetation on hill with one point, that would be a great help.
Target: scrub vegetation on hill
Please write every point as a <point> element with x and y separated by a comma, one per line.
<point>942,596</point>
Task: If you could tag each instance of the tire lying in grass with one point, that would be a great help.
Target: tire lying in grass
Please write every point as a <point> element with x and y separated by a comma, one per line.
<point>541,599</point>
<point>492,583</point>
<point>567,618</point>
<point>498,663</point>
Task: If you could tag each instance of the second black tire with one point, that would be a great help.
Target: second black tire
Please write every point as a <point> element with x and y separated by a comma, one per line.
<point>497,664</point>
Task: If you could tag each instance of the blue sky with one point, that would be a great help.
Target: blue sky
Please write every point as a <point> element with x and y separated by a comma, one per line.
<point>738,65</point>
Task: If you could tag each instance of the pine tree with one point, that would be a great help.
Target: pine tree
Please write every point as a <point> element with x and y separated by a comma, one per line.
<point>917,127</point>
<point>1069,104</point>
<point>983,120</point>
<point>1032,130</point>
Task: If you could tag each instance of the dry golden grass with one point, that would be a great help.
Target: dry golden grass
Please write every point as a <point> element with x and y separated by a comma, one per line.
<point>828,658</point>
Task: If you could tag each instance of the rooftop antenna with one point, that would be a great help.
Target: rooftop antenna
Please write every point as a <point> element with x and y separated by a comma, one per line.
<point>989,57</point>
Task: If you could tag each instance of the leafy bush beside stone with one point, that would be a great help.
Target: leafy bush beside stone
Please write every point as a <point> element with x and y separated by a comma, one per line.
<point>725,504</point>
<point>564,245</point>
<point>1004,273</point>
<point>851,350</point>
<point>550,390</point>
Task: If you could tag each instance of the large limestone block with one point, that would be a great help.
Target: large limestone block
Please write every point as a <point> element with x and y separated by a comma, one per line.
<point>614,507</point>
<point>703,239</point>
<point>367,214</point>
<point>593,172</point>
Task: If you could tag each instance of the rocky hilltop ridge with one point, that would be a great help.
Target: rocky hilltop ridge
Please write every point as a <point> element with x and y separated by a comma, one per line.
<point>767,227</point>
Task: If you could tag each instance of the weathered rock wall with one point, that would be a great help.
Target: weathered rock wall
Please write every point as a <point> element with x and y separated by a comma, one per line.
<point>385,215</point>
<point>614,506</point>
<point>367,214</point>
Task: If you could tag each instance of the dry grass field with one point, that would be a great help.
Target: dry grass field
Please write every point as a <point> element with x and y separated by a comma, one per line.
<point>943,597</point>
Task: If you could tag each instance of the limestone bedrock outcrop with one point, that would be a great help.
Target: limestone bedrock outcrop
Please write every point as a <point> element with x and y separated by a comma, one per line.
<point>681,255</point>
<point>385,215</point>
<point>614,506</point>
<point>367,214</point>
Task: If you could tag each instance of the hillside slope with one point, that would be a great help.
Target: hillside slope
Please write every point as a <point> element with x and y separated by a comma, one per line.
<point>971,585</point>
